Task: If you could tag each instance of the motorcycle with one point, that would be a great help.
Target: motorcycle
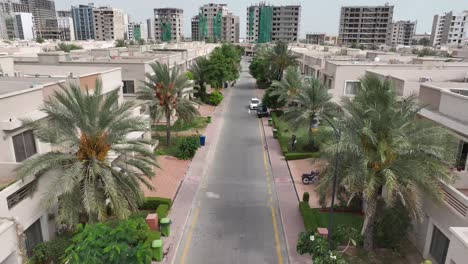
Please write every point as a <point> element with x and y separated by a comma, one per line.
<point>312,177</point>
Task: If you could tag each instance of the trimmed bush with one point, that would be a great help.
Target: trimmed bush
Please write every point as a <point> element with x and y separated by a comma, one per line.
<point>152,203</point>
<point>305,197</point>
<point>309,216</point>
<point>50,251</point>
<point>215,98</point>
<point>297,156</point>
<point>187,148</point>
<point>162,211</point>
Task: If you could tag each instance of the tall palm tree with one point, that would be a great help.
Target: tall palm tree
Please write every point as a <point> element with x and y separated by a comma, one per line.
<point>384,144</point>
<point>311,99</point>
<point>164,91</point>
<point>281,57</point>
<point>86,128</point>
<point>288,87</point>
<point>199,72</point>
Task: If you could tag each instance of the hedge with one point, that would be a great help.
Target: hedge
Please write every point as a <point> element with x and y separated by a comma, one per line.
<point>303,155</point>
<point>162,211</point>
<point>153,235</point>
<point>309,216</point>
<point>152,203</point>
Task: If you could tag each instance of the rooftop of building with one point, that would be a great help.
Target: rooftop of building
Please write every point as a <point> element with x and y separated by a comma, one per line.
<point>10,85</point>
<point>53,71</point>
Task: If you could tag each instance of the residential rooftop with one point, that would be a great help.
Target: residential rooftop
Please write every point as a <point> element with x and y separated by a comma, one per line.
<point>9,85</point>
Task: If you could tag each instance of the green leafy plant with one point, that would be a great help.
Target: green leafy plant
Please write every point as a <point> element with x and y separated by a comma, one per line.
<point>39,39</point>
<point>152,203</point>
<point>62,46</point>
<point>215,98</point>
<point>298,156</point>
<point>120,43</point>
<point>100,243</point>
<point>305,197</point>
<point>52,251</point>
<point>391,225</point>
<point>188,147</point>
<point>312,243</point>
<point>162,211</point>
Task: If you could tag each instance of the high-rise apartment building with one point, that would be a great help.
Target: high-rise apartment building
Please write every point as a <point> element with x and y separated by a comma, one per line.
<point>168,24</point>
<point>45,18</point>
<point>450,29</point>
<point>16,21</point>
<point>267,23</point>
<point>150,28</point>
<point>215,23</point>
<point>401,33</point>
<point>315,38</point>
<point>83,21</point>
<point>365,25</point>
<point>65,25</point>
<point>109,23</point>
<point>11,6</point>
<point>137,31</point>
<point>24,26</point>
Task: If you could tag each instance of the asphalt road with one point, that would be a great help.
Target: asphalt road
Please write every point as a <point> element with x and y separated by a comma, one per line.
<point>235,218</point>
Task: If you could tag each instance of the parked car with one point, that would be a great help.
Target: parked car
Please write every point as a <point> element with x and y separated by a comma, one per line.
<point>254,102</point>
<point>262,111</point>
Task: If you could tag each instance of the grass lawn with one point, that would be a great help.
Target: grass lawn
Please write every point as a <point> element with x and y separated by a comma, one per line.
<point>313,218</point>
<point>163,149</point>
<point>178,126</point>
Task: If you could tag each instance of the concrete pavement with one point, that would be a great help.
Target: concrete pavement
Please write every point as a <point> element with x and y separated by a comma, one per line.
<point>235,215</point>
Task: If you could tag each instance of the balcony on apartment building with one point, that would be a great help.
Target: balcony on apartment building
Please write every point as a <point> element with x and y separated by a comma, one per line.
<point>446,104</point>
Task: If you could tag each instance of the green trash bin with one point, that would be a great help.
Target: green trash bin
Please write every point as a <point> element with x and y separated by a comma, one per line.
<point>165,224</point>
<point>157,249</point>
<point>270,122</point>
<point>209,119</point>
<point>275,133</point>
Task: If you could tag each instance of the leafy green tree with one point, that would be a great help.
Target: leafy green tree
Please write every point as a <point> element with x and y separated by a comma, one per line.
<point>127,242</point>
<point>39,39</point>
<point>199,70</point>
<point>384,144</point>
<point>272,101</point>
<point>165,92</point>
<point>67,47</point>
<point>289,86</point>
<point>119,43</point>
<point>281,57</point>
<point>354,45</point>
<point>424,42</point>
<point>85,127</point>
<point>313,99</point>
<point>141,42</point>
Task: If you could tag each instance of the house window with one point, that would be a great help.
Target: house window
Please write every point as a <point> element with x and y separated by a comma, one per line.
<point>439,246</point>
<point>462,155</point>
<point>33,236</point>
<point>24,145</point>
<point>128,87</point>
<point>351,87</point>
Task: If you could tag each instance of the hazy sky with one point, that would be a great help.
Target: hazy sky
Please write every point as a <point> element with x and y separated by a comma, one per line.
<point>317,15</point>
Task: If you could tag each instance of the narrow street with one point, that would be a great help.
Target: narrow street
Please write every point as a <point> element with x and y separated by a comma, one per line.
<point>235,217</point>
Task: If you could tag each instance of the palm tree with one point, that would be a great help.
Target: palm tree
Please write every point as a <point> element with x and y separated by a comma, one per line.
<point>288,87</point>
<point>199,70</point>
<point>85,128</point>
<point>384,144</point>
<point>164,91</point>
<point>281,57</point>
<point>311,99</point>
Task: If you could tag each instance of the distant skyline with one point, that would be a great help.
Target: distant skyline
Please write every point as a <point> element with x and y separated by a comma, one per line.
<point>317,16</point>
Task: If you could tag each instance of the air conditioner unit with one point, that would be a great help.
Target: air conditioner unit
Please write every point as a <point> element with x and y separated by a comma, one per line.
<point>18,74</point>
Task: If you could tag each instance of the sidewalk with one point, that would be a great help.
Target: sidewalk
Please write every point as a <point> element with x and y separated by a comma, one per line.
<point>287,197</point>
<point>183,202</point>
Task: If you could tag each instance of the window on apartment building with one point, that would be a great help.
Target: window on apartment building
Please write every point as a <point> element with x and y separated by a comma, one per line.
<point>462,155</point>
<point>128,87</point>
<point>439,246</point>
<point>33,236</point>
<point>24,145</point>
<point>16,197</point>
<point>351,87</point>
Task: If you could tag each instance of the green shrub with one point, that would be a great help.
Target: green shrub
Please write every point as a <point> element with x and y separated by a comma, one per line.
<point>153,235</point>
<point>162,211</point>
<point>50,251</point>
<point>152,203</point>
<point>297,156</point>
<point>215,98</point>
<point>187,148</point>
<point>309,216</point>
<point>392,224</point>
<point>305,197</point>
<point>127,242</point>
<point>310,242</point>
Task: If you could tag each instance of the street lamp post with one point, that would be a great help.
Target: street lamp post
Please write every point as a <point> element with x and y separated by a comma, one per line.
<point>337,133</point>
